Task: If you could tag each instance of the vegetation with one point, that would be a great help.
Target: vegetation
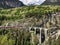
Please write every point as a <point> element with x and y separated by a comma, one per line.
<point>22,36</point>
<point>11,36</point>
<point>53,41</point>
<point>26,12</point>
<point>14,37</point>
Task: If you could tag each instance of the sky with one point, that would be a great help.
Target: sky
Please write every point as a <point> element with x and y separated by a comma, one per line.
<point>34,2</point>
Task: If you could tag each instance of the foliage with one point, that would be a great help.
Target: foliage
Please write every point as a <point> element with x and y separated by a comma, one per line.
<point>53,41</point>
<point>14,37</point>
<point>26,12</point>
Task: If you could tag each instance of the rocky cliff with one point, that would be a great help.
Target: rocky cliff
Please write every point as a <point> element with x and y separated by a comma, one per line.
<point>55,2</point>
<point>10,3</point>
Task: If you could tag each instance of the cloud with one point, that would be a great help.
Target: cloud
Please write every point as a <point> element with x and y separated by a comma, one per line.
<point>34,2</point>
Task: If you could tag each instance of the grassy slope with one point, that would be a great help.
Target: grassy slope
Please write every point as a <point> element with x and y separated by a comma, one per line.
<point>25,12</point>
<point>22,12</point>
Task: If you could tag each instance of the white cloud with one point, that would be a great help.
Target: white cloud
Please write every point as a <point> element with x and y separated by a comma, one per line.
<point>34,2</point>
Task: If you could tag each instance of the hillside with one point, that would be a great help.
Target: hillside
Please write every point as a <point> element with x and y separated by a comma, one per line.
<point>25,12</point>
<point>10,3</point>
<point>28,16</point>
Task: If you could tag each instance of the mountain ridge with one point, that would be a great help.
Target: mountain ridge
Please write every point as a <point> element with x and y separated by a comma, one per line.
<point>10,3</point>
<point>53,2</point>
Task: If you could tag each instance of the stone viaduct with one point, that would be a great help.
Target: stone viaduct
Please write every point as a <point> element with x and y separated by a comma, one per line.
<point>52,24</point>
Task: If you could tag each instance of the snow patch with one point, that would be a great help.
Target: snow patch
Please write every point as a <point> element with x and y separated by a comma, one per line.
<point>33,2</point>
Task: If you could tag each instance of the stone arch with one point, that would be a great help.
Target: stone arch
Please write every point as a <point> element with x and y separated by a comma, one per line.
<point>37,31</point>
<point>32,29</point>
<point>42,35</point>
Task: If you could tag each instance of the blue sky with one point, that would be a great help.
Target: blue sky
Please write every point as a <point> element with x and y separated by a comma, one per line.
<point>35,2</point>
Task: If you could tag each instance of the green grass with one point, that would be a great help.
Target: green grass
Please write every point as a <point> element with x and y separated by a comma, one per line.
<point>26,12</point>
<point>21,12</point>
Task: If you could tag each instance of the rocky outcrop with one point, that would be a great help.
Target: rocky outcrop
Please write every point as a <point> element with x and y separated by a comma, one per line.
<point>57,2</point>
<point>10,3</point>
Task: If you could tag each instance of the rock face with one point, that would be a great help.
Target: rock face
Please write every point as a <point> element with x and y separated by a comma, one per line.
<point>10,3</point>
<point>52,2</point>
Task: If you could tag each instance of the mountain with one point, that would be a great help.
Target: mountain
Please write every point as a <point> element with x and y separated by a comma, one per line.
<point>32,2</point>
<point>10,3</point>
<point>55,2</point>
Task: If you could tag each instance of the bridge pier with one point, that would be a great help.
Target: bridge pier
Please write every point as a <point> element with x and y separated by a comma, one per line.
<point>35,30</point>
<point>40,34</point>
<point>30,29</point>
<point>46,33</point>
